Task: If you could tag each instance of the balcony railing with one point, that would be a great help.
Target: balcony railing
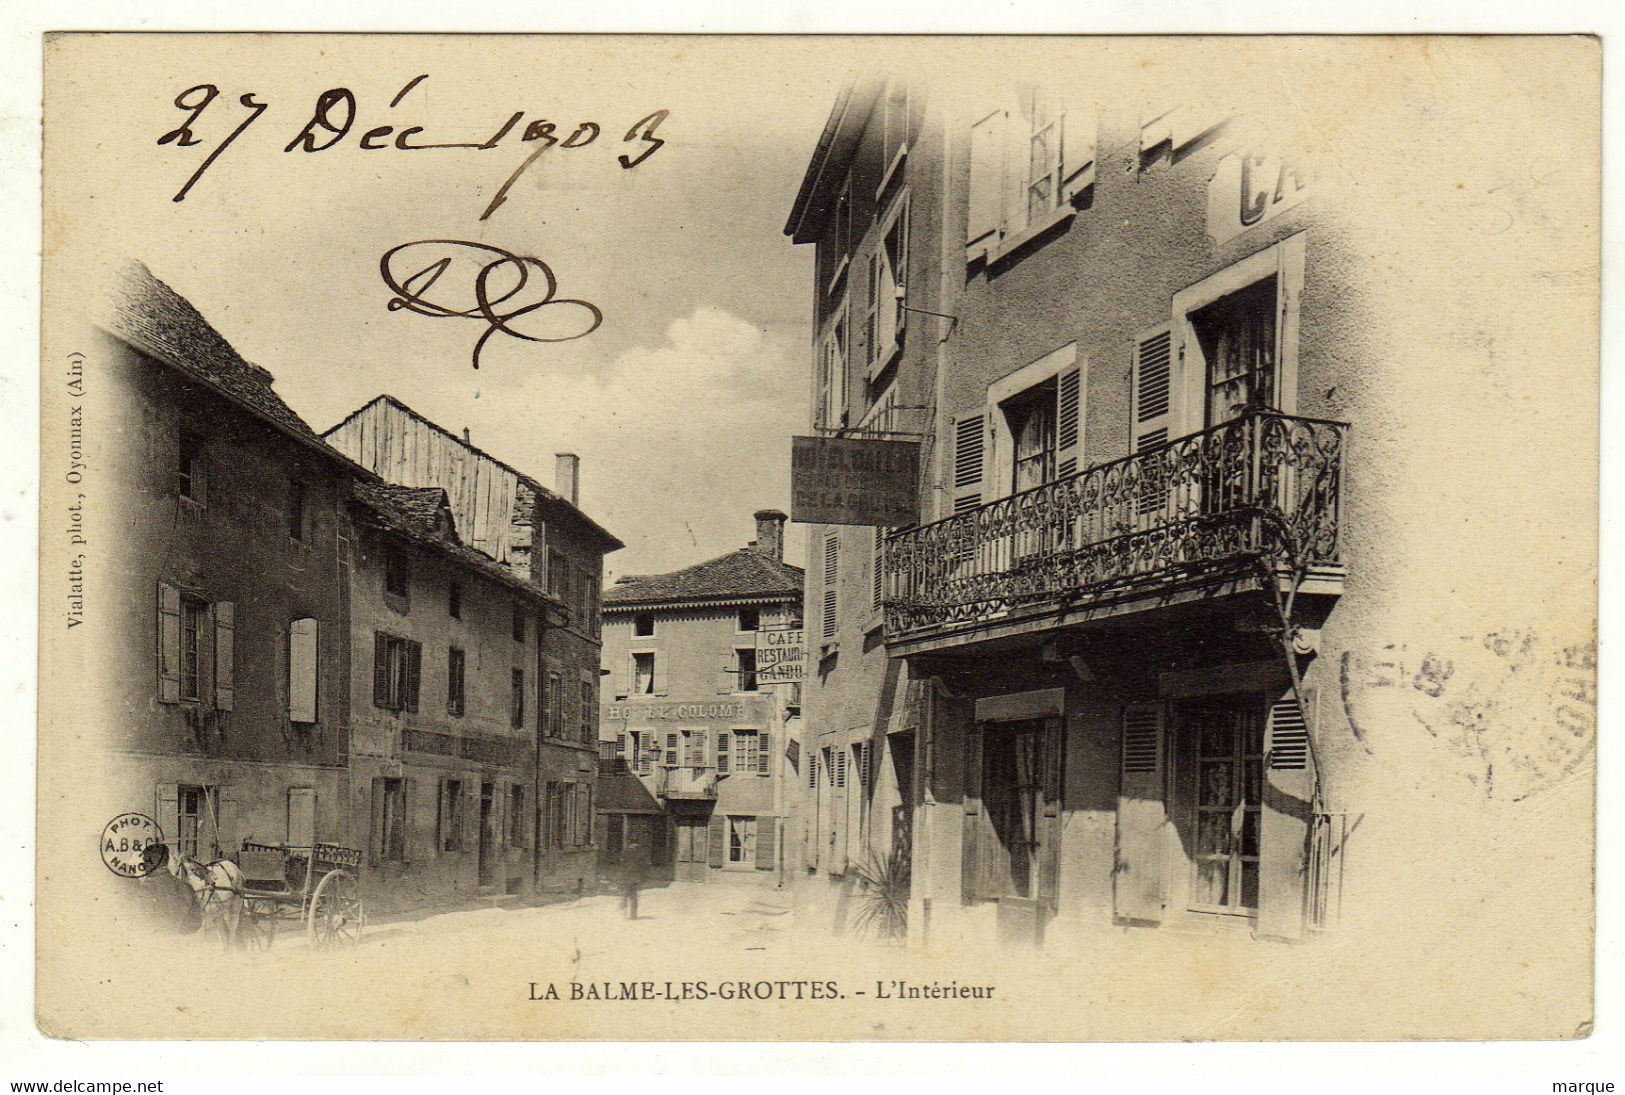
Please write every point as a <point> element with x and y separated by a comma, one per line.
<point>1261,486</point>
<point>688,781</point>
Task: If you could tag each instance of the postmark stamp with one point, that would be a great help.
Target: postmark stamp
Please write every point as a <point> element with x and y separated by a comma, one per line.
<point>124,841</point>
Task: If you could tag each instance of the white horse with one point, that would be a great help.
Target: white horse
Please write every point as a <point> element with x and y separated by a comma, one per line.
<point>218,889</point>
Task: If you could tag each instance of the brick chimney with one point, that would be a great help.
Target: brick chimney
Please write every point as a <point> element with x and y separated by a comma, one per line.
<point>567,477</point>
<point>770,534</point>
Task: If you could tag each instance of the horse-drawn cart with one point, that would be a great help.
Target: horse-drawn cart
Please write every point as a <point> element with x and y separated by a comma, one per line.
<point>317,886</point>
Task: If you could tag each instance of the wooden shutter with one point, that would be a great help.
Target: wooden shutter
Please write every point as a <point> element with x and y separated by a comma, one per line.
<point>984,208</point>
<point>380,669</point>
<point>225,818</point>
<point>764,752</point>
<point>767,837</point>
<point>716,840</point>
<point>441,815</point>
<point>1049,813</point>
<point>499,813</point>
<point>832,570</point>
<point>662,673</point>
<point>726,675</point>
<point>1153,387</point>
<point>970,447</point>
<point>1283,830</point>
<point>375,834</point>
<point>414,674</point>
<point>1068,420</point>
<point>1141,814</point>
<point>301,817</point>
<point>620,677</point>
<point>409,800</point>
<point>169,643</point>
<point>167,813</point>
<point>971,837</point>
<point>1078,135</point>
<point>302,648</point>
<point>225,615</point>
<point>471,813</point>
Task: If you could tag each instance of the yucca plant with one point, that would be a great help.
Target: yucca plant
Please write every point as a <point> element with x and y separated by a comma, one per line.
<point>882,897</point>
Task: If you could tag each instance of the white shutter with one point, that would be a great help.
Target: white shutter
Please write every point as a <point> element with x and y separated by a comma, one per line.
<point>986,185</point>
<point>1152,388</point>
<point>1287,741</point>
<point>1141,813</point>
<point>168,815</point>
<point>225,617</point>
<point>169,643</point>
<point>726,674</point>
<point>1078,135</point>
<point>970,447</point>
<point>1068,420</point>
<point>832,568</point>
<point>1283,824</point>
<point>302,647</point>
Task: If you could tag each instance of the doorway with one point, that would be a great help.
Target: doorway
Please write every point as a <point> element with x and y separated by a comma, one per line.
<point>487,845</point>
<point>1220,785</point>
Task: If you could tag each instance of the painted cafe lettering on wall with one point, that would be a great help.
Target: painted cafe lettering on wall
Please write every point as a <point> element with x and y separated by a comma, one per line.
<point>684,711</point>
<point>1252,185</point>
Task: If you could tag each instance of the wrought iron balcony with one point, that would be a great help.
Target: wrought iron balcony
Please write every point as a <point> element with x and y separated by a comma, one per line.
<point>688,782</point>
<point>1261,488</point>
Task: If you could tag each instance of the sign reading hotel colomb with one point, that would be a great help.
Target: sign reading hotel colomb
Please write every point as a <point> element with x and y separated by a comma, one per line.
<point>1250,186</point>
<point>779,656</point>
<point>854,481</point>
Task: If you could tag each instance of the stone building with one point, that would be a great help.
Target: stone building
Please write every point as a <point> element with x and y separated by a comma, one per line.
<point>1165,650</point>
<point>700,769</point>
<point>221,605</point>
<point>542,537</point>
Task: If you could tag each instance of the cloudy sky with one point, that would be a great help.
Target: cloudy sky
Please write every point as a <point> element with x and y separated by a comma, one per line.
<point>681,404</point>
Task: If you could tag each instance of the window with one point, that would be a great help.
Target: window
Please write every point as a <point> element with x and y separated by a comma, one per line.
<point>1029,162</point>
<point>450,818</point>
<point>1237,337</point>
<point>671,750</point>
<point>193,612</point>
<point>741,840</point>
<point>722,752</point>
<point>589,704</point>
<point>303,669</point>
<point>190,468</point>
<point>396,668</point>
<point>643,673</point>
<point>558,573</point>
<point>884,314</point>
<point>750,619</point>
<point>831,409</point>
<point>185,648</point>
<point>516,707</point>
<point>643,749</point>
<point>455,661</point>
<point>296,510</point>
<point>745,660</point>
<point>1030,417</point>
<point>518,622</point>
<point>643,625</point>
<point>694,748</point>
<point>516,816</point>
<point>397,573</point>
<point>1226,740</point>
<point>555,704</point>
<point>832,569</point>
<point>749,756</point>
<point>389,812</point>
<point>196,806</point>
<point>454,601</point>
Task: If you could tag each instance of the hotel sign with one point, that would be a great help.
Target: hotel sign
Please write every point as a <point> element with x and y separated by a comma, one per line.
<point>780,656</point>
<point>854,481</point>
<point>1251,186</point>
<point>678,712</point>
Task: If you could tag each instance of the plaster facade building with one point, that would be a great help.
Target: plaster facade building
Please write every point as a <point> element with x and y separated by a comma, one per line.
<point>1114,677</point>
<point>700,754</point>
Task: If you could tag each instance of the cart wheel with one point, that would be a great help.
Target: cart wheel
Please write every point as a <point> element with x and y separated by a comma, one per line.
<point>256,931</point>
<point>336,915</point>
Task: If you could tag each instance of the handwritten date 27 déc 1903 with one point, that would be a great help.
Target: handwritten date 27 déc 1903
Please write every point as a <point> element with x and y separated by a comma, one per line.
<point>335,117</point>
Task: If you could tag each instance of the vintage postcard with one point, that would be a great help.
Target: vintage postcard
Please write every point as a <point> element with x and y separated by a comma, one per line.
<point>811,538</point>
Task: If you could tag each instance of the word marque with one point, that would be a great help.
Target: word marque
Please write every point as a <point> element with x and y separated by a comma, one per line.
<point>431,259</point>
<point>335,116</point>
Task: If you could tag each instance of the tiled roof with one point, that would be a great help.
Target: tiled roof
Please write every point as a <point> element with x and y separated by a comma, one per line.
<point>742,573</point>
<point>161,323</point>
<point>423,516</point>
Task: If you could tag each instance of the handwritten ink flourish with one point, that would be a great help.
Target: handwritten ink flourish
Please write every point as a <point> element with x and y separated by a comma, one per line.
<point>411,291</point>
